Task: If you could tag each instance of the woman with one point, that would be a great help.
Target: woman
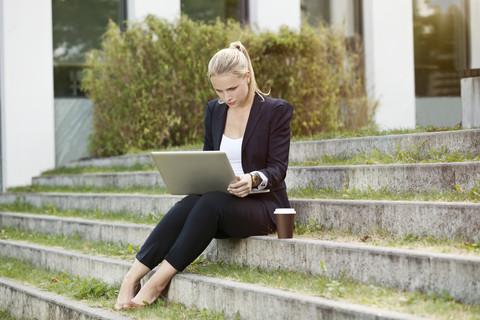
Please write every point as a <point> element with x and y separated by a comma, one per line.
<point>254,131</point>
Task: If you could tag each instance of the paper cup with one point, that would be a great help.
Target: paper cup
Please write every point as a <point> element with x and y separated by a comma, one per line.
<point>285,219</point>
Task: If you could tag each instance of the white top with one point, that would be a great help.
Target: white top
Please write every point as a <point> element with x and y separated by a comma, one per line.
<point>233,149</point>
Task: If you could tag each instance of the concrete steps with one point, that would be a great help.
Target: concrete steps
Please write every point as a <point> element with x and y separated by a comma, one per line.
<point>463,141</point>
<point>398,177</point>
<point>457,274</point>
<point>411,270</point>
<point>451,220</point>
<point>28,302</point>
<point>219,295</point>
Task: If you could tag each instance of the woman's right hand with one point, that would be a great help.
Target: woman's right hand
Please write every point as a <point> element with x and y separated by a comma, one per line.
<point>242,187</point>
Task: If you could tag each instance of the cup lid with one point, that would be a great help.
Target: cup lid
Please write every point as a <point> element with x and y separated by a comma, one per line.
<point>284,211</point>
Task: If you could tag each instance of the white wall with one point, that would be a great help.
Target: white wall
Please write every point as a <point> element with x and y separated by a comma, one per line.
<point>389,61</point>
<point>27,119</point>
<point>272,14</point>
<point>475,34</point>
<point>138,9</point>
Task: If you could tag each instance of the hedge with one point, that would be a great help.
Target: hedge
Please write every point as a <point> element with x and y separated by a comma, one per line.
<point>149,84</point>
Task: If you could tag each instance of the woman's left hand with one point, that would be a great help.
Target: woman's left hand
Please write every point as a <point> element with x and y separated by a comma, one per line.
<point>242,187</point>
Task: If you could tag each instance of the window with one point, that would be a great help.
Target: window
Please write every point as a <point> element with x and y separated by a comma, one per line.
<point>345,13</point>
<point>210,10</point>
<point>78,26</point>
<point>441,46</point>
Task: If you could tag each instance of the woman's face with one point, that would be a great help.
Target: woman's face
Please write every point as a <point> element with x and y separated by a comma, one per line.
<point>233,90</point>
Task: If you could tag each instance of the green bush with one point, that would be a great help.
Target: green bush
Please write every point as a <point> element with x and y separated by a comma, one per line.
<point>149,83</point>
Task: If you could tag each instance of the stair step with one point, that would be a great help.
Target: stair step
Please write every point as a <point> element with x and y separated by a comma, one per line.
<point>407,270</point>
<point>398,177</point>
<point>395,177</point>
<point>250,301</point>
<point>101,180</point>
<point>125,233</point>
<point>463,141</point>
<point>451,220</point>
<point>24,301</point>
<point>457,274</point>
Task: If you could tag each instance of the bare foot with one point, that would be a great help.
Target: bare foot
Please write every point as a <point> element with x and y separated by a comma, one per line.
<point>148,294</point>
<point>128,291</point>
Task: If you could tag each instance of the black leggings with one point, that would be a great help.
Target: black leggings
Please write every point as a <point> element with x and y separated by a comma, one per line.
<point>189,226</point>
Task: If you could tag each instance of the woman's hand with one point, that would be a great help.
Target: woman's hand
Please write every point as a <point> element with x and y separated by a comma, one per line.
<point>242,187</point>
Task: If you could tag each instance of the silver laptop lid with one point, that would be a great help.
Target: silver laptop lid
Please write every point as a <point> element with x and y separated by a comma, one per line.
<point>194,172</point>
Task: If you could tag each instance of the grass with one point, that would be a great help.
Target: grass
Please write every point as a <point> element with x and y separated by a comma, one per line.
<point>383,238</point>
<point>370,131</point>
<point>100,294</point>
<point>75,243</point>
<point>414,154</point>
<point>91,169</point>
<point>460,194</point>
<point>312,231</point>
<point>5,315</point>
<point>439,306</point>
<point>94,292</point>
<point>21,205</point>
<point>89,189</point>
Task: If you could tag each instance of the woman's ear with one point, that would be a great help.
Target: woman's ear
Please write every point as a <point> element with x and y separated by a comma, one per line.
<point>247,75</point>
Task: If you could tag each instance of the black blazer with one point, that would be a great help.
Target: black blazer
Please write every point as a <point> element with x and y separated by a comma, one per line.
<point>265,146</point>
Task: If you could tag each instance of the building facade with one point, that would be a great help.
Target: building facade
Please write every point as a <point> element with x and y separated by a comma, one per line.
<point>413,50</point>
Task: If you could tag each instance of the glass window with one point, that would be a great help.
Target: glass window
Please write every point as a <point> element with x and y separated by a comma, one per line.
<point>345,13</point>
<point>210,10</point>
<point>441,46</point>
<point>78,26</point>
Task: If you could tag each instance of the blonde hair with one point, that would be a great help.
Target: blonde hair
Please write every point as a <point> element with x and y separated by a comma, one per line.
<point>234,60</point>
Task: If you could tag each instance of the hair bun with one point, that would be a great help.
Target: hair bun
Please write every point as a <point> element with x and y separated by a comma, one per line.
<point>236,45</point>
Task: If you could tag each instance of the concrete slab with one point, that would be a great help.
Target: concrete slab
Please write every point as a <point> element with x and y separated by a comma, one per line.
<point>137,203</point>
<point>408,270</point>
<point>230,297</point>
<point>459,275</point>
<point>24,301</point>
<point>125,233</point>
<point>151,179</point>
<point>396,177</point>
<point>451,220</point>
<point>463,141</point>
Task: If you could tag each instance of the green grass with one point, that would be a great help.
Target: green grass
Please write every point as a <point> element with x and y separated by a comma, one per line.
<point>94,292</point>
<point>460,194</point>
<point>100,294</point>
<point>439,306</point>
<point>414,154</point>
<point>75,243</point>
<point>5,315</point>
<point>89,189</point>
<point>370,131</point>
<point>20,205</point>
<point>312,231</point>
<point>379,237</point>
<point>91,169</point>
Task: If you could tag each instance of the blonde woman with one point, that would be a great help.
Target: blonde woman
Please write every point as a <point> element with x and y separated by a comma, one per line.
<point>254,131</point>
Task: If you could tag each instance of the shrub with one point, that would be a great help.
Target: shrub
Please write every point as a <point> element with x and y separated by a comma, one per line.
<point>149,83</point>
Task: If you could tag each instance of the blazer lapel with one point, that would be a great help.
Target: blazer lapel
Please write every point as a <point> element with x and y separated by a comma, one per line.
<point>218,126</point>
<point>252,120</point>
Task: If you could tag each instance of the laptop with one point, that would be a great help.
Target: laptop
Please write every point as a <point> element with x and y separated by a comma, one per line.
<point>195,172</point>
